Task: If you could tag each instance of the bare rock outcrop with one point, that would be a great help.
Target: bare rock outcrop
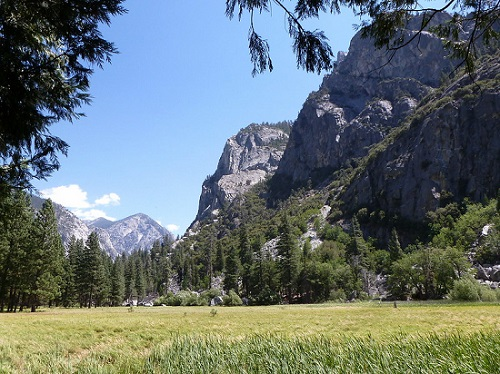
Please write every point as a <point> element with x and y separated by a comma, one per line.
<point>248,158</point>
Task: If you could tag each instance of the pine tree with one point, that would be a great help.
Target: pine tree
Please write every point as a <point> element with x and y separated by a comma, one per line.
<point>232,272</point>
<point>16,219</point>
<point>245,254</point>
<point>220,257</point>
<point>69,289</point>
<point>90,270</point>
<point>117,282</point>
<point>77,267</point>
<point>140,279</point>
<point>395,250</point>
<point>45,263</point>
<point>161,267</point>
<point>103,296</point>
<point>289,258</point>
<point>130,270</point>
<point>147,271</point>
<point>155,254</point>
<point>358,248</point>
<point>358,252</point>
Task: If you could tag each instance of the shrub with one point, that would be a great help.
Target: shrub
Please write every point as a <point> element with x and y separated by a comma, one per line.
<point>208,295</point>
<point>232,299</point>
<point>465,289</point>
<point>487,294</point>
<point>267,297</point>
<point>338,295</point>
<point>192,300</point>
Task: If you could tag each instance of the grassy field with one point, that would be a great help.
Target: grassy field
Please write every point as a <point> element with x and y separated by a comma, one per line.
<point>355,338</point>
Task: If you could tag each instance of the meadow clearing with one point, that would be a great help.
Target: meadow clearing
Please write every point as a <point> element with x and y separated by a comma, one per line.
<point>328,338</point>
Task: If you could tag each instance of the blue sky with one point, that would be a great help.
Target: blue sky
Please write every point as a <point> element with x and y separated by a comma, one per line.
<point>163,109</point>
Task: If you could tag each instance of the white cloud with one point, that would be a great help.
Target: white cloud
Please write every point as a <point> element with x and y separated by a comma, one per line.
<point>91,214</point>
<point>71,196</point>
<point>172,227</point>
<point>110,198</point>
<point>75,199</point>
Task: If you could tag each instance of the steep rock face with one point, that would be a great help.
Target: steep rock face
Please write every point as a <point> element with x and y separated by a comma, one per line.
<point>370,92</point>
<point>248,158</point>
<point>451,148</point>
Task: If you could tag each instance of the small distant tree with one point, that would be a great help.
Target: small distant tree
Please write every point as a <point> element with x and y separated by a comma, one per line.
<point>395,250</point>
<point>427,272</point>
<point>232,299</point>
<point>117,282</point>
<point>466,289</point>
<point>232,271</point>
<point>289,258</point>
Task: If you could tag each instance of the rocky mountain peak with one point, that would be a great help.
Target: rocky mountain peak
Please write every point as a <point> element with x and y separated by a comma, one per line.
<point>101,222</point>
<point>138,231</point>
<point>248,157</point>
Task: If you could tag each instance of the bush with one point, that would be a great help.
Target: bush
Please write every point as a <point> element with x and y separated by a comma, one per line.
<point>232,299</point>
<point>338,295</point>
<point>192,300</point>
<point>266,297</point>
<point>208,295</point>
<point>466,289</point>
<point>487,294</point>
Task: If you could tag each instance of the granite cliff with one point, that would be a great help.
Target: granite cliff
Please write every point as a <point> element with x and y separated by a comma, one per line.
<point>249,157</point>
<point>448,150</point>
<point>370,92</point>
<point>406,127</point>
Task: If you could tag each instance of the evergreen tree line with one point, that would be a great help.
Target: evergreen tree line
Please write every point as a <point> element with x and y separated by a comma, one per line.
<point>36,269</point>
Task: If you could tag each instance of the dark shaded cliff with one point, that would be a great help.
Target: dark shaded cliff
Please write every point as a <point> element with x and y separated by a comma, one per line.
<point>449,148</point>
<point>447,144</point>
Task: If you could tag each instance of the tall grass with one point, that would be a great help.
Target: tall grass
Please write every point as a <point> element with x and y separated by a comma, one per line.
<point>477,353</point>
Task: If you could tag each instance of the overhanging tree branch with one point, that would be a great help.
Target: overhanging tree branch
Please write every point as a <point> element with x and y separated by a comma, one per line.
<point>385,25</point>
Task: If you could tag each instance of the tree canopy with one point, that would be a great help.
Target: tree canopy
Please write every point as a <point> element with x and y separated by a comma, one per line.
<point>471,24</point>
<point>47,53</point>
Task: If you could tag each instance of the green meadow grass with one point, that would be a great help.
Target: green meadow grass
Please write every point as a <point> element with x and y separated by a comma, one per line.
<point>355,338</point>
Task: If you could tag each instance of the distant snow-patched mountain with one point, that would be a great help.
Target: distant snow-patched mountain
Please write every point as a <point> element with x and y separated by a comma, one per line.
<point>138,231</point>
